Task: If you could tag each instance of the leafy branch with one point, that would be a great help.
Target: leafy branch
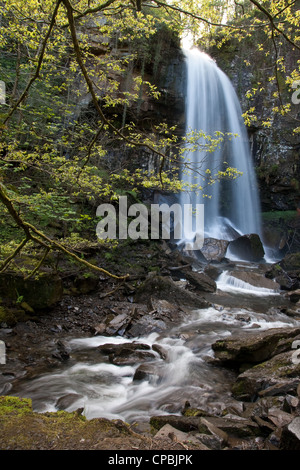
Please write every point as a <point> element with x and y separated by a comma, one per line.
<point>32,233</point>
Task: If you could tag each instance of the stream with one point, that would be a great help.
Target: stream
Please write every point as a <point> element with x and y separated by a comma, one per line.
<point>186,373</point>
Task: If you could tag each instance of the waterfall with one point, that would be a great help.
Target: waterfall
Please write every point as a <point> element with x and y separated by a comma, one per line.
<point>212,105</point>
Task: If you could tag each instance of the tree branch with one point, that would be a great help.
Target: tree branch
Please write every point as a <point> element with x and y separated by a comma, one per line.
<point>271,19</point>
<point>197,17</point>
<point>45,241</point>
<point>91,88</point>
<point>39,65</point>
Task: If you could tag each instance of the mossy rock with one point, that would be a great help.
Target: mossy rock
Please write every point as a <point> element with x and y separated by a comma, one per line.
<point>21,428</point>
<point>291,262</point>
<point>11,316</point>
<point>41,292</point>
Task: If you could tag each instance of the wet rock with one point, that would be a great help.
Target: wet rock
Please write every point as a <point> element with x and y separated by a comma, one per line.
<point>291,262</point>
<point>183,423</point>
<point>212,271</point>
<point>247,247</point>
<point>276,376</point>
<point>62,353</point>
<point>280,276</point>
<point>290,437</point>
<point>128,353</point>
<point>214,249</point>
<point>295,296</point>
<point>229,426</point>
<point>112,348</point>
<point>162,352</point>
<point>146,325</point>
<point>201,281</point>
<point>66,401</point>
<point>252,349</point>
<point>164,288</point>
<point>149,372</point>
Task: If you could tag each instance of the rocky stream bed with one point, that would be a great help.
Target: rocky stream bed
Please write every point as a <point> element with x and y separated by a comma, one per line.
<point>176,360</point>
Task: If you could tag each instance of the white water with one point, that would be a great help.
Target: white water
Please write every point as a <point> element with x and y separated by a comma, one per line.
<point>229,283</point>
<point>212,105</point>
<point>109,391</point>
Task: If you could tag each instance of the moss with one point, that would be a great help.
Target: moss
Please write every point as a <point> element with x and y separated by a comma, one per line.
<point>194,412</point>
<point>11,316</point>
<point>21,428</point>
<point>15,405</point>
<point>156,423</point>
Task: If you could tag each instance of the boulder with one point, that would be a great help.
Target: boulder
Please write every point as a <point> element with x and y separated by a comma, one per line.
<point>295,296</point>
<point>247,247</point>
<point>149,372</point>
<point>229,425</point>
<point>200,281</point>
<point>39,293</point>
<point>291,262</point>
<point>127,353</point>
<point>254,348</point>
<point>214,249</point>
<point>131,354</point>
<point>145,325</point>
<point>277,376</point>
<point>66,401</point>
<point>212,271</point>
<point>290,437</point>
<point>183,423</point>
<point>169,432</point>
<point>164,288</point>
<point>286,280</point>
<point>112,348</point>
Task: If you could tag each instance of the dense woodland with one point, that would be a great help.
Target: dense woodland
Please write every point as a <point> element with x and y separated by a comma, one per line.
<point>77,75</point>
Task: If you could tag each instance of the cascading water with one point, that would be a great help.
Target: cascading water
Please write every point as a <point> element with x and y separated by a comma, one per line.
<point>91,381</point>
<point>211,106</point>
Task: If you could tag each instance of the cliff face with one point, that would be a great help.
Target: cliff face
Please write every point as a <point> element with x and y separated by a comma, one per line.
<point>275,149</point>
<point>159,61</point>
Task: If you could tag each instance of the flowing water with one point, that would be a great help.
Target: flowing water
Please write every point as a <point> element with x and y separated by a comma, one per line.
<point>212,106</point>
<point>107,390</point>
<point>104,389</point>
